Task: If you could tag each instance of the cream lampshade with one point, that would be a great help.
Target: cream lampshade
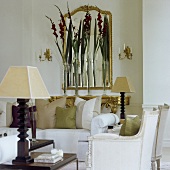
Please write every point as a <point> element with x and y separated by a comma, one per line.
<point>23,83</point>
<point>123,85</point>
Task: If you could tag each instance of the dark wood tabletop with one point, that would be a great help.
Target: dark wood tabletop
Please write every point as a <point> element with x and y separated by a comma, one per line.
<point>39,143</point>
<point>67,158</point>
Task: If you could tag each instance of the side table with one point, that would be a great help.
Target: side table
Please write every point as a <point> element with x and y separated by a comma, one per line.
<point>39,143</point>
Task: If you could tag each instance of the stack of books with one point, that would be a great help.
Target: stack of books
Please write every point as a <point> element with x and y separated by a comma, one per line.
<point>48,158</point>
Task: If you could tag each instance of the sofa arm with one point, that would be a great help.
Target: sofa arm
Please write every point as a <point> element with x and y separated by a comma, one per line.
<point>101,122</point>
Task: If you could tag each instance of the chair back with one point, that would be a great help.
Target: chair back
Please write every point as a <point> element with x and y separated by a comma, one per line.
<point>147,130</point>
<point>157,145</point>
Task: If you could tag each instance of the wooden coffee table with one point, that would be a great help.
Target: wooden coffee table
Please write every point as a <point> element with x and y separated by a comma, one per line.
<point>67,159</point>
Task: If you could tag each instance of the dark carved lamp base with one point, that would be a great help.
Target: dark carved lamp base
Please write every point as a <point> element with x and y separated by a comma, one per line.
<point>23,149</point>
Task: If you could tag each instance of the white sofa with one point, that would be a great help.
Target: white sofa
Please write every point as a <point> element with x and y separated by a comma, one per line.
<point>69,140</point>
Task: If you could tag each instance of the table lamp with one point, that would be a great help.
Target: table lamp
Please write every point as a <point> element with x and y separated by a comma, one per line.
<point>23,83</point>
<point>122,85</point>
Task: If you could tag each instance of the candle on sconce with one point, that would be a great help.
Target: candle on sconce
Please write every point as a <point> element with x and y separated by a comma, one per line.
<point>124,47</point>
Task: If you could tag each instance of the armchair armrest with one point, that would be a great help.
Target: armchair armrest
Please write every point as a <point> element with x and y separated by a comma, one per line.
<point>119,148</point>
<point>101,122</point>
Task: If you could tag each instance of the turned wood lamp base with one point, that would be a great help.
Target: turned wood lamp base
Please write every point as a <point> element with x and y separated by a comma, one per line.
<point>22,145</point>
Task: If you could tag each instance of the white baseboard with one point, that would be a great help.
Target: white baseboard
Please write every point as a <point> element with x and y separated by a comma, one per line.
<point>166,142</point>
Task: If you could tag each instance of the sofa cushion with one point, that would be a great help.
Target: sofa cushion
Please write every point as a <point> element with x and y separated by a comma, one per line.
<point>67,139</point>
<point>8,114</point>
<point>46,117</point>
<point>8,148</point>
<point>130,126</point>
<point>66,118</point>
<point>83,136</point>
<point>86,110</point>
<point>6,131</point>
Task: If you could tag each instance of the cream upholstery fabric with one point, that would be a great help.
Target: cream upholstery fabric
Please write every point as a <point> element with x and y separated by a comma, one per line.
<point>8,114</point>
<point>86,110</point>
<point>101,122</point>
<point>157,147</point>
<point>67,139</point>
<point>2,113</point>
<point>114,152</point>
<point>8,148</point>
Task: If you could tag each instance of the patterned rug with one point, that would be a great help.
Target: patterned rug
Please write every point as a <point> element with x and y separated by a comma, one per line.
<point>72,166</point>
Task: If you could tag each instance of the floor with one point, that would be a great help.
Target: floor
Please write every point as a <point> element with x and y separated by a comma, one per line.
<point>165,162</point>
<point>166,155</point>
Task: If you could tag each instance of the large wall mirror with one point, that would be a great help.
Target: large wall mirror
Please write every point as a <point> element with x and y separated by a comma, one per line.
<point>95,61</point>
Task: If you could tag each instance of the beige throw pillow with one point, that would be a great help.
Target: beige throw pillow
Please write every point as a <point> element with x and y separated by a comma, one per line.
<point>8,114</point>
<point>86,110</point>
<point>46,112</point>
<point>2,113</point>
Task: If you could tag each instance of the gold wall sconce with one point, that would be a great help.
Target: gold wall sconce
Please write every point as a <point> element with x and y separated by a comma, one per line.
<point>127,53</point>
<point>47,55</point>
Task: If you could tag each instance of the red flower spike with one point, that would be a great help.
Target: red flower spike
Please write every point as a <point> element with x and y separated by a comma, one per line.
<point>99,19</point>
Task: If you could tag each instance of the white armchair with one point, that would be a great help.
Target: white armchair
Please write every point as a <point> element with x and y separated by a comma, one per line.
<point>113,152</point>
<point>157,146</point>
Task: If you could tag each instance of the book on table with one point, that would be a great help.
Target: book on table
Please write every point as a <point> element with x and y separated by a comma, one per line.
<point>48,158</point>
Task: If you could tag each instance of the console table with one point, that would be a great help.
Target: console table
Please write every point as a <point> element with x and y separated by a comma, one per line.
<point>67,159</point>
<point>107,101</point>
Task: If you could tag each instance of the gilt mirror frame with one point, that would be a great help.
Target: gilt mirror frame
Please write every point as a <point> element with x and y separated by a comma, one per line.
<point>86,8</point>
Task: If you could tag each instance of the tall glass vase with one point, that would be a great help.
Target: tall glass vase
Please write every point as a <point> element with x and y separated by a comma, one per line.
<point>33,125</point>
<point>104,76</point>
<point>65,79</point>
<point>88,74</point>
<point>76,64</point>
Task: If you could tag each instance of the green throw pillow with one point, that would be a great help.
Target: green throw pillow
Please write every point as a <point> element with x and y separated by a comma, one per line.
<point>66,118</point>
<point>130,126</point>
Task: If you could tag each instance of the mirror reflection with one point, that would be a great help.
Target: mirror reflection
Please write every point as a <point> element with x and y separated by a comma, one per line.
<point>89,64</point>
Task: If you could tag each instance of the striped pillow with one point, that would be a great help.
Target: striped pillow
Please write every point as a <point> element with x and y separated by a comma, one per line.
<point>86,110</point>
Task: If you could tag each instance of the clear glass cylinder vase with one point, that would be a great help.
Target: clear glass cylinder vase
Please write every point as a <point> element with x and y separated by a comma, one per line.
<point>104,76</point>
<point>76,64</point>
<point>88,74</point>
<point>65,79</point>
<point>33,125</point>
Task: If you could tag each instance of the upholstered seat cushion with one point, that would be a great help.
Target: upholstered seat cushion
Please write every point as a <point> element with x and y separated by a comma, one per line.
<point>7,131</point>
<point>64,138</point>
<point>8,148</point>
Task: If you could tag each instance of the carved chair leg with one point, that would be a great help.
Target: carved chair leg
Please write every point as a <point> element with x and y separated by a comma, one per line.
<point>158,164</point>
<point>153,165</point>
